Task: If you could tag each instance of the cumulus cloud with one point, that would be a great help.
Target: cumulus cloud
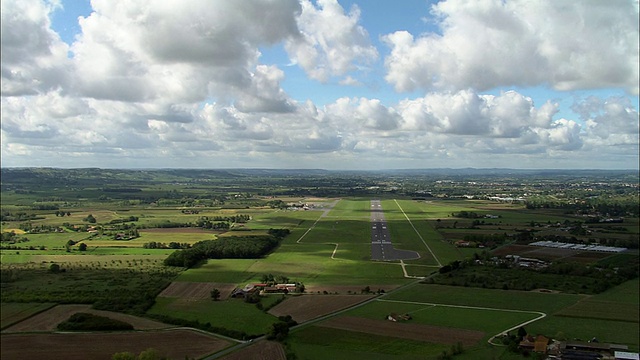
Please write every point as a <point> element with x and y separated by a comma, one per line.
<point>34,59</point>
<point>486,44</point>
<point>330,42</point>
<point>157,83</point>
<point>152,50</point>
<point>468,113</point>
<point>609,122</point>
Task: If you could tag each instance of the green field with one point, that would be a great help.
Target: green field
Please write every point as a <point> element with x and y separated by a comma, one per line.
<point>233,314</point>
<point>325,248</point>
<point>500,299</point>
<point>324,343</point>
<point>491,322</point>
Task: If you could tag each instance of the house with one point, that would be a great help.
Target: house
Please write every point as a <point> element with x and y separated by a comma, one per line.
<point>538,344</point>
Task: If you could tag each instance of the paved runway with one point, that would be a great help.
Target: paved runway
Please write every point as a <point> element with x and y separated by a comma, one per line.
<point>381,247</point>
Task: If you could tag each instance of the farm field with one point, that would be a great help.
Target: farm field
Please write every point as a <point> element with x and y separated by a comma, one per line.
<point>327,248</point>
<point>318,343</point>
<point>233,314</point>
<point>261,350</point>
<point>176,344</point>
<point>195,290</point>
<point>490,298</point>
<point>488,321</point>
<point>12,313</point>
<point>303,308</point>
<point>418,332</point>
<point>47,321</point>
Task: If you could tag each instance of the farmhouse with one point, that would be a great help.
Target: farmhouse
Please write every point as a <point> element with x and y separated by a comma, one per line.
<point>538,344</point>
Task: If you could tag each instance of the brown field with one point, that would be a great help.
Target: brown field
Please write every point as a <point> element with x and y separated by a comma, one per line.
<point>196,290</point>
<point>419,332</point>
<point>48,320</point>
<point>261,350</point>
<point>174,343</point>
<point>307,307</point>
<point>345,289</point>
<point>181,230</point>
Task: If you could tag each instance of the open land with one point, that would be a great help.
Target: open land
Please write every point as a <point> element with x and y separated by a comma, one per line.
<point>49,319</point>
<point>307,307</point>
<point>196,290</point>
<point>99,244</point>
<point>261,350</point>
<point>427,333</point>
<point>175,344</point>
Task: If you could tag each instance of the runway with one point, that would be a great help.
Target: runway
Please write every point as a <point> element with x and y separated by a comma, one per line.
<point>381,247</point>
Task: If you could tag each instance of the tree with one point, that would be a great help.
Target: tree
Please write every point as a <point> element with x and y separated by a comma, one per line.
<point>279,331</point>
<point>522,332</point>
<point>215,294</point>
<point>54,268</point>
<point>123,356</point>
<point>90,219</point>
<point>82,247</point>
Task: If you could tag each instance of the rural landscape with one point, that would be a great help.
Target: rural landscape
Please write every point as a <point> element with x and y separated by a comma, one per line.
<point>316,264</point>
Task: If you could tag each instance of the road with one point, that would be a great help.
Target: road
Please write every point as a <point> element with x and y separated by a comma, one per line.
<point>381,247</point>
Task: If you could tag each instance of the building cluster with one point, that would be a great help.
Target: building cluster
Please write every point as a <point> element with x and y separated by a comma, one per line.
<point>562,245</point>
<point>576,350</point>
<point>262,289</point>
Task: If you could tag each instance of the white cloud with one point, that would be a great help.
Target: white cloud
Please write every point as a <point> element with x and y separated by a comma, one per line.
<point>330,42</point>
<point>122,96</point>
<point>469,113</point>
<point>33,58</point>
<point>164,51</point>
<point>486,44</point>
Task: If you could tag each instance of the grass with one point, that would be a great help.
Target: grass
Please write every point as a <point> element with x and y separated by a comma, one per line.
<point>617,332</point>
<point>627,293</point>
<point>233,314</point>
<point>316,342</point>
<point>620,303</point>
<point>220,270</point>
<point>491,322</point>
<point>500,299</point>
<point>11,313</point>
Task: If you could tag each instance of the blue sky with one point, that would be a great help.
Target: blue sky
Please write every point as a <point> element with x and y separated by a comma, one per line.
<point>320,84</point>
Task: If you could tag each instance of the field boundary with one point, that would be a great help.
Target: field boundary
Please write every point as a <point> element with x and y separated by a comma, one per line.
<point>30,316</point>
<point>540,314</point>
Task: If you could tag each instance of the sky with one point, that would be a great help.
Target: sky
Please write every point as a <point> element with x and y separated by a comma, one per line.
<point>322,84</point>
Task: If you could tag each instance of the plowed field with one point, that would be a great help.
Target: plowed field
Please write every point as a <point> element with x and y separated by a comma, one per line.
<point>345,289</point>
<point>262,350</point>
<point>427,333</point>
<point>196,290</point>
<point>176,344</point>
<point>307,307</point>
<point>48,320</point>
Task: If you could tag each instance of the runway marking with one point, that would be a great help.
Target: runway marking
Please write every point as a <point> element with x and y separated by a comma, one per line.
<point>333,254</point>
<point>420,236</point>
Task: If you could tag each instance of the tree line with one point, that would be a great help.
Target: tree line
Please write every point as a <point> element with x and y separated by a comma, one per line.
<point>235,247</point>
